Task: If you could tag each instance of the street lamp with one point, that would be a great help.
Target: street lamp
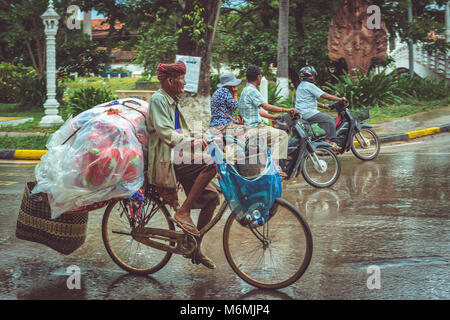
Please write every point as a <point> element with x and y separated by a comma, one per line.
<point>50,19</point>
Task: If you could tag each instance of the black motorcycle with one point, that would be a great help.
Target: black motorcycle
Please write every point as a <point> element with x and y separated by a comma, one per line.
<point>318,164</point>
<point>353,134</point>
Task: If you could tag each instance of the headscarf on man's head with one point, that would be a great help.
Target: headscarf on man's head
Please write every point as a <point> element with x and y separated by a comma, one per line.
<point>171,70</point>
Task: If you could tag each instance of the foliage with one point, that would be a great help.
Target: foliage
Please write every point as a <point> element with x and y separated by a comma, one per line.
<point>425,89</point>
<point>274,96</point>
<point>195,26</point>
<point>22,38</point>
<point>86,98</point>
<point>10,78</point>
<point>425,19</point>
<point>76,52</point>
<point>371,90</point>
<point>157,39</point>
<point>239,45</point>
<point>19,84</point>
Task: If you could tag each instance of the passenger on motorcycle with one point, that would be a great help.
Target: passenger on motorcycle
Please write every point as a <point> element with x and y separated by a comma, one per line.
<point>251,105</point>
<point>306,103</point>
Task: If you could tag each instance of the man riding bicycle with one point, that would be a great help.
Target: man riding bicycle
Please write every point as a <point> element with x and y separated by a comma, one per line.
<point>167,131</point>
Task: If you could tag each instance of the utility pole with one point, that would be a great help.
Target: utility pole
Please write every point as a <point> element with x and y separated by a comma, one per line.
<point>410,41</point>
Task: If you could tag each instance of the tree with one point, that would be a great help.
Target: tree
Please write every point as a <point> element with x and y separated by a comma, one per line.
<point>157,38</point>
<point>283,57</point>
<point>248,35</point>
<point>197,34</point>
<point>425,19</point>
<point>23,38</point>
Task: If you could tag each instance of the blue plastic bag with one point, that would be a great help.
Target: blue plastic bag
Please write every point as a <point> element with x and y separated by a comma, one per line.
<point>250,200</point>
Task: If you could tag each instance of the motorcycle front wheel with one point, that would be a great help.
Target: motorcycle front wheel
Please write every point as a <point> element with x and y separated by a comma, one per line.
<point>366,144</point>
<point>322,168</point>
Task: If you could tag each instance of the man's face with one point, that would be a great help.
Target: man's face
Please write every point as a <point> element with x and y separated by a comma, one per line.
<point>177,84</point>
<point>259,79</point>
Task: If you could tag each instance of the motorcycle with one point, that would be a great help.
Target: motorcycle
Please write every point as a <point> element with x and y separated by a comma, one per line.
<point>353,134</point>
<point>319,165</point>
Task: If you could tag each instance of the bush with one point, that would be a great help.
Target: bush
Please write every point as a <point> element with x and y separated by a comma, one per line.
<point>425,89</point>
<point>12,80</point>
<point>368,90</point>
<point>19,84</point>
<point>274,96</point>
<point>86,98</point>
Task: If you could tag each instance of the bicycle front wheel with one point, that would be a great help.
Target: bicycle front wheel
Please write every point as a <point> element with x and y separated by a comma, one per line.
<point>274,255</point>
<point>127,253</point>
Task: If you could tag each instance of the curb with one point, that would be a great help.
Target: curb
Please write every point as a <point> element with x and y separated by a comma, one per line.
<point>22,154</point>
<point>37,154</point>
<point>415,134</point>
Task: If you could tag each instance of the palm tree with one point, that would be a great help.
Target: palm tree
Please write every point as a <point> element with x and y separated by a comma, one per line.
<point>283,33</point>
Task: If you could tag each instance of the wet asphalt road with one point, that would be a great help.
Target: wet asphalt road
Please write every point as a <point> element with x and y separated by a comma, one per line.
<point>392,213</point>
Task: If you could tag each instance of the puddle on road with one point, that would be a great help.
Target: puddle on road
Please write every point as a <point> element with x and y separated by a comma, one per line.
<point>400,262</point>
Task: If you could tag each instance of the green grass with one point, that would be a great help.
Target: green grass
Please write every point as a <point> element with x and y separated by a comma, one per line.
<point>11,110</point>
<point>397,111</point>
<point>26,143</point>
<point>112,84</point>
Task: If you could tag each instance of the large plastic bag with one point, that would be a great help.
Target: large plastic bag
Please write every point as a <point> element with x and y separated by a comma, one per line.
<point>96,156</point>
<point>250,199</point>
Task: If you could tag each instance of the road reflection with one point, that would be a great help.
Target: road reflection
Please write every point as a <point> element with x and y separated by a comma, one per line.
<point>351,190</point>
<point>260,294</point>
<point>119,289</point>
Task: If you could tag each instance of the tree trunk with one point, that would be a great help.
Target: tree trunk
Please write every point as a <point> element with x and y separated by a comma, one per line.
<point>199,104</point>
<point>282,65</point>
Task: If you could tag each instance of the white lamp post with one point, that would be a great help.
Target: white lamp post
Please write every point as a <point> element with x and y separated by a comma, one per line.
<point>50,19</point>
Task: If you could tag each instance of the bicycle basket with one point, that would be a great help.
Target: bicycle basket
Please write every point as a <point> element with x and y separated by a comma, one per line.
<point>361,115</point>
<point>250,200</point>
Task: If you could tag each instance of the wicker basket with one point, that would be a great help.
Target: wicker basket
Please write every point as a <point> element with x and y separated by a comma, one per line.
<point>64,234</point>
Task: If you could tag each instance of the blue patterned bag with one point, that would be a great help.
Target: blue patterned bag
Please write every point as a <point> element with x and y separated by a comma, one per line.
<point>250,199</point>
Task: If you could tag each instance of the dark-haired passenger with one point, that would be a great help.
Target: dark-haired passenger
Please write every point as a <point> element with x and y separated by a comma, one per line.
<point>252,107</point>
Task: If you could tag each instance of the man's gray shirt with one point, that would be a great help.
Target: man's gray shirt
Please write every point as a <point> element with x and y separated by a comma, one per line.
<point>306,99</point>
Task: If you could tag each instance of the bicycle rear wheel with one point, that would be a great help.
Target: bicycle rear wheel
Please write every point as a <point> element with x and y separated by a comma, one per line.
<point>127,253</point>
<point>272,256</point>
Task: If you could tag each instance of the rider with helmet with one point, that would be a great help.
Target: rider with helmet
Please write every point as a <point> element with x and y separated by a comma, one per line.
<point>306,102</point>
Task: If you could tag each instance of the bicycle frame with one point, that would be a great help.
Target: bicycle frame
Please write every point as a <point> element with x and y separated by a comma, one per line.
<point>180,242</point>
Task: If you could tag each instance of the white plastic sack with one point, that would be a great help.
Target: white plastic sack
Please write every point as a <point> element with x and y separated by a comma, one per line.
<point>96,156</point>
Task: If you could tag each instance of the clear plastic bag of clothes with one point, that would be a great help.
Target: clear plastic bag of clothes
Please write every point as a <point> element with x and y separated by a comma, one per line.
<point>96,156</point>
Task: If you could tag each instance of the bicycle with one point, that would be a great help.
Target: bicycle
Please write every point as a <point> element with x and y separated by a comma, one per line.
<point>271,256</point>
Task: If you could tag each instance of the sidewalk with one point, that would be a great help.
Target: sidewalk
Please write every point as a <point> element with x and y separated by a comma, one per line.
<point>400,129</point>
<point>414,126</point>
